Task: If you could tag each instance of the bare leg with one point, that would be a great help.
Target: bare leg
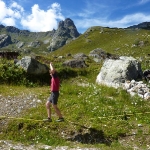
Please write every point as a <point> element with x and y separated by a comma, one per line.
<point>57,111</point>
<point>48,109</point>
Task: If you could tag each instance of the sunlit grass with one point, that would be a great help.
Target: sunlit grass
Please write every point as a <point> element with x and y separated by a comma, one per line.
<point>91,106</point>
<point>85,105</point>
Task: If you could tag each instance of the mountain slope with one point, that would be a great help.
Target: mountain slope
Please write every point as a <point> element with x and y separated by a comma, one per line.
<point>130,42</point>
<point>45,41</point>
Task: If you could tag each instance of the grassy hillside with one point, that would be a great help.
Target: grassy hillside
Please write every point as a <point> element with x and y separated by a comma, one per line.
<point>95,115</point>
<point>115,41</point>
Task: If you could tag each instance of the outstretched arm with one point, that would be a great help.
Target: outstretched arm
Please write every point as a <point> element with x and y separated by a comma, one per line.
<point>51,67</point>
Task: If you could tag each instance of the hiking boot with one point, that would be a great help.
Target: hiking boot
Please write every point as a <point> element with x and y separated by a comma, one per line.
<point>60,120</point>
<point>47,120</point>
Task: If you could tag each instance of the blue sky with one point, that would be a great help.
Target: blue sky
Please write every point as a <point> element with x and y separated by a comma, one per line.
<point>44,15</point>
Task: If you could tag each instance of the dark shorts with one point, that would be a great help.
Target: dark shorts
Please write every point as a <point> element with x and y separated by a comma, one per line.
<point>54,98</point>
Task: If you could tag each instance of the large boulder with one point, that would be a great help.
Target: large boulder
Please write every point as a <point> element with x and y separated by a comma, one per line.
<point>32,66</point>
<point>115,72</point>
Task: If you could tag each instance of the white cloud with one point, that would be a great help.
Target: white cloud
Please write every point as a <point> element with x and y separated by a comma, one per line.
<point>130,20</point>
<point>40,20</point>
<point>8,15</point>
<point>9,21</point>
<point>3,10</point>
<point>15,5</point>
<point>124,22</point>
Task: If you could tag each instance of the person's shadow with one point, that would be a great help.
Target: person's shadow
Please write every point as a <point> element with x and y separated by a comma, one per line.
<point>93,136</point>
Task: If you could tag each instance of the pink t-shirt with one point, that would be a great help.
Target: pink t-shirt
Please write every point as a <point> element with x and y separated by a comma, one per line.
<point>55,84</point>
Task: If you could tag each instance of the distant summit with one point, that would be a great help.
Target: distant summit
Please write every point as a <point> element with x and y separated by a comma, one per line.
<point>65,33</point>
<point>143,25</point>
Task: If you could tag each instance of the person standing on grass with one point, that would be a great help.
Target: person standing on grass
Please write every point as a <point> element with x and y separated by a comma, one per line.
<point>53,99</point>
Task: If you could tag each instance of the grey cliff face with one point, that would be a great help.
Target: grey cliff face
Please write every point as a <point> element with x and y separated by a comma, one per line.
<point>4,40</point>
<point>66,31</point>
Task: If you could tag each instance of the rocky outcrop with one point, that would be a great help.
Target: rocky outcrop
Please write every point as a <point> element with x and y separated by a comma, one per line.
<point>11,29</point>
<point>20,44</point>
<point>5,40</point>
<point>32,66</point>
<point>75,63</point>
<point>143,25</point>
<point>80,56</point>
<point>115,72</point>
<point>34,44</point>
<point>99,54</point>
<point>66,31</point>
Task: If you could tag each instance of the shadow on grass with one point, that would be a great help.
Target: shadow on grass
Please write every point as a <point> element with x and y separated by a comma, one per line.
<point>91,136</point>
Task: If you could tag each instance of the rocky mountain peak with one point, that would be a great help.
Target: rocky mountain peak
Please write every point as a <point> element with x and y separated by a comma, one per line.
<point>68,22</point>
<point>68,26</point>
<point>66,32</point>
<point>12,29</point>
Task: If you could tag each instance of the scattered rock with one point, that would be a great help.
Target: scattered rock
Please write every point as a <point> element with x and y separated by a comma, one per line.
<point>137,88</point>
<point>75,63</point>
<point>146,75</point>
<point>80,56</point>
<point>13,106</point>
<point>99,54</point>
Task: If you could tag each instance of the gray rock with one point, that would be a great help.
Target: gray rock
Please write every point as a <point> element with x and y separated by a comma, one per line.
<point>100,54</point>
<point>137,88</point>
<point>115,72</point>
<point>75,63</point>
<point>32,66</point>
<point>5,40</point>
<point>34,44</point>
<point>20,44</point>
<point>80,56</point>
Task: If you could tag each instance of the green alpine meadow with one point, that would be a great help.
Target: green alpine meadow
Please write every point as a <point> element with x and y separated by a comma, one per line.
<point>96,116</point>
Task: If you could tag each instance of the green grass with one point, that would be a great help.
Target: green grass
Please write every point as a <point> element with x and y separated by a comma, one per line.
<point>109,40</point>
<point>97,114</point>
<point>91,111</point>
